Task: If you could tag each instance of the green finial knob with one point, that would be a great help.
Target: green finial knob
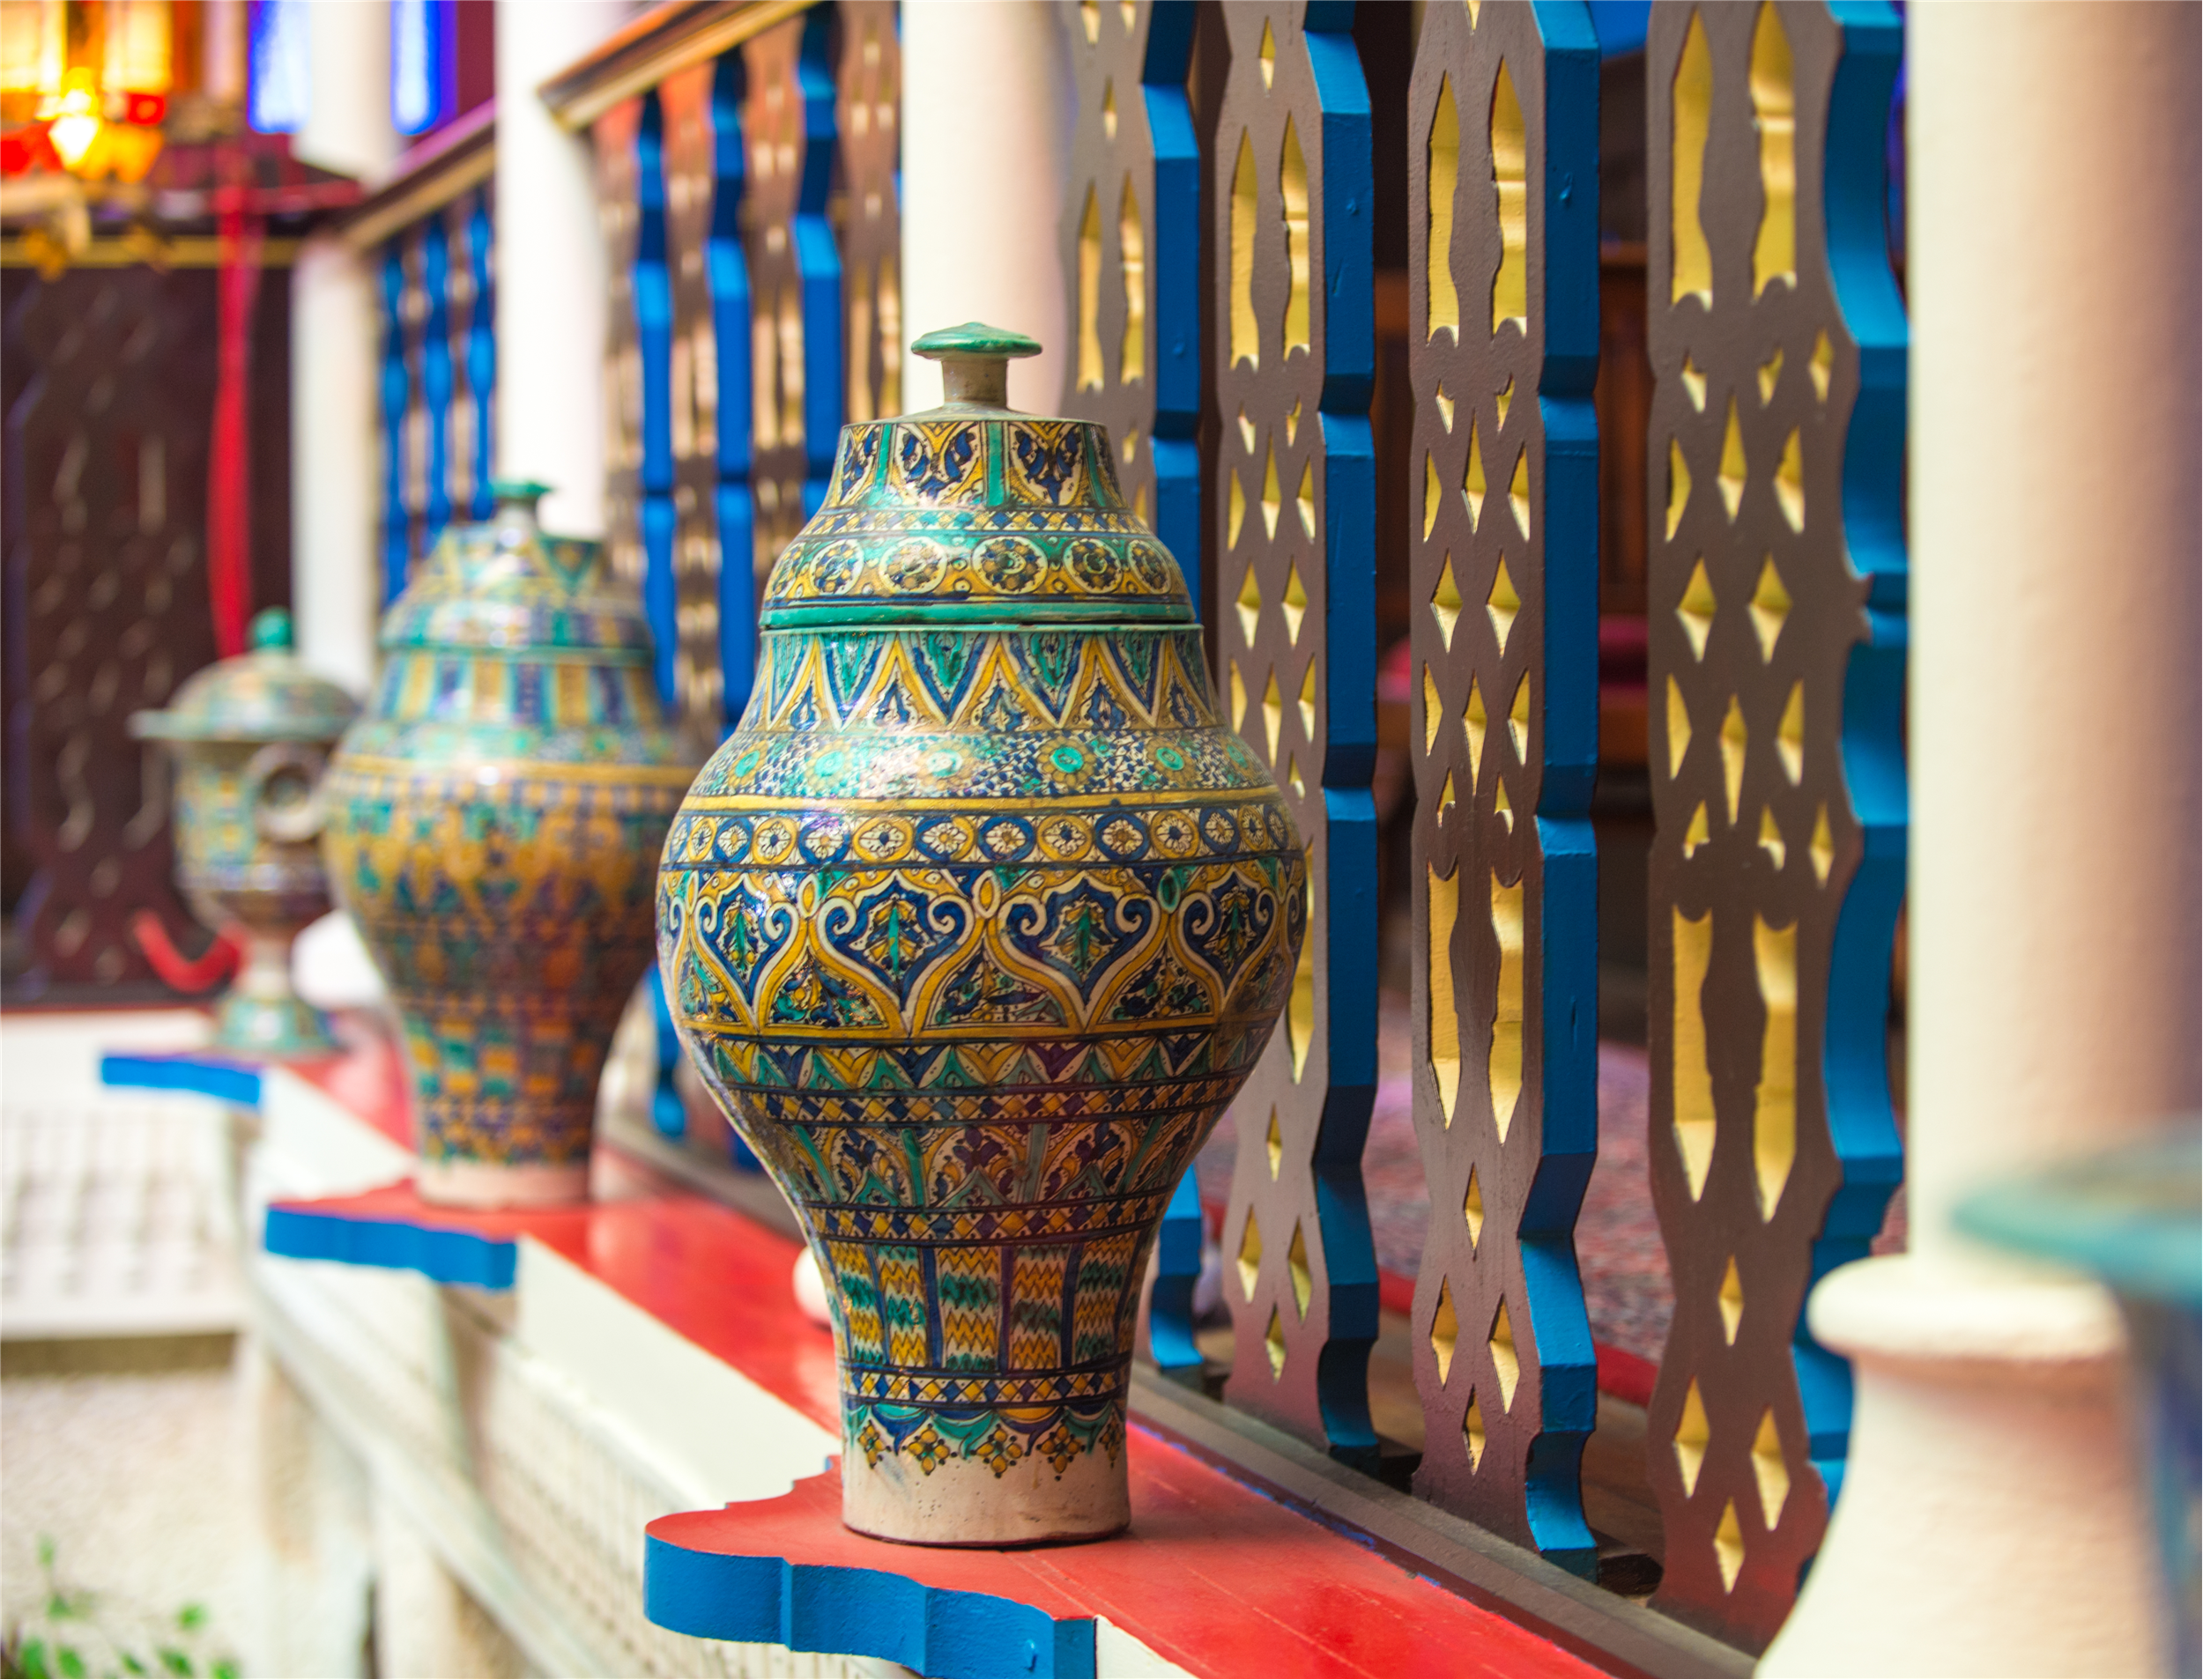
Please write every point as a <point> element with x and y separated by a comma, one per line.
<point>974,360</point>
<point>270,631</point>
<point>525,492</point>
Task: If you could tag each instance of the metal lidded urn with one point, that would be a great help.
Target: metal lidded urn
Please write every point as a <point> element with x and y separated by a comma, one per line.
<point>973,928</point>
<point>494,820</point>
<point>250,738</point>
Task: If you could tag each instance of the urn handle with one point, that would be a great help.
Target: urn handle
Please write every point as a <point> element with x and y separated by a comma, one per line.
<point>282,789</point>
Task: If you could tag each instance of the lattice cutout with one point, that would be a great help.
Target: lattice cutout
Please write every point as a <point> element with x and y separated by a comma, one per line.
<point>1778,790</point>
<point>1499,110</point>
<point>1297,528</point>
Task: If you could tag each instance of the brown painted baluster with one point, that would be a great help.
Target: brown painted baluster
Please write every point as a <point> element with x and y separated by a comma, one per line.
<point>866,115</point>
<point>1776,584</point>
<point>1503,290</point>
<point>1296,657</point>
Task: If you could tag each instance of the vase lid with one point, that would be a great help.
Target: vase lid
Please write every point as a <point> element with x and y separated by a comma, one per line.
<point>264,695</point>
<point>505,586</point>
<point>973,513</point>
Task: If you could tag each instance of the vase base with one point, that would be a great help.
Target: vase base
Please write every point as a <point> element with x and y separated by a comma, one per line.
<point>963,1502</point>
<point>488,1184</point>
<point>277,1028</point>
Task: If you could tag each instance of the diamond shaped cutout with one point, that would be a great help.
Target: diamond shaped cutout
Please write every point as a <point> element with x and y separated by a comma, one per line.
<point>1249,1256</point>
<point>1292,776</point>
<point>1296,1266</point>
<point>1823,363</point>
<point>1770,376</point>
<point>1734,739</point>
<point>1307,701</point>
<point>1769,1471</point>
<point>1696,834</point>
<point>1273,497</point>
<point>1502,807</point>
<point>1678,488</point>
<point>1430,711</point>
<point>1503,604</point>
<point>1445,1330</point>
<point>1472,1431</point>
<point>1790,482</point>
<point>1505,1361</point>
<point>1728,1547</point>
<point>1690,1438</point>
<point>1431,494</point>
<point>1473,487</point>
<point>1273,714</point>
<point>1473,725</point>
<point>1250,603</point>
<point>1519,491</point>
<point>1296,603</point>
<point>1505,399</point>
<point>1472,1210</point>
<point>1445,602</point>
<point>1771,837</point>
<point>1247,431</point>
<point>1268,54</point>
<point>1235,494</point>
<point>1695,609</point>
<point>1677,728</point>
<point>1790,735</point>
<point>1239,696</point>
<point>1273,1345</point>
<point>1444,405</point>
<point>1694,384</point>
<point>1446,797</point>
<point>1770,606</point>
<point>1823,846</point>
<point>1519,720</point>
<point>1275,1144</point>
<point>1731,1302</point>
<point>1731,478</point>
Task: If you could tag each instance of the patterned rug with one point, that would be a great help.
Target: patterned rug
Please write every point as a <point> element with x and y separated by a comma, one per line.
<point>1618,1248</point>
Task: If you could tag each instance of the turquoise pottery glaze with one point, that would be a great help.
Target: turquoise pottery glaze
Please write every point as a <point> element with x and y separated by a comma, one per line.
<point>492,822</point>
<point>250,738</point>
<point>973,928</point>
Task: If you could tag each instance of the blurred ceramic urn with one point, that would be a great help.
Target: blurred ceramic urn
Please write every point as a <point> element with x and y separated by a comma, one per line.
<point>250,738</point>
<point>973,928</point>
<point>494,820</point>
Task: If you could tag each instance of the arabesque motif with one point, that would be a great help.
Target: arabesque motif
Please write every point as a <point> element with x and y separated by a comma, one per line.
<point>974,928</point>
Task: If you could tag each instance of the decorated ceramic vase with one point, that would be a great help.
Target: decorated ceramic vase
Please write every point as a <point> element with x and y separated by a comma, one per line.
<point>973,928</point>
<point>250,738</point>
<point>493,825</point>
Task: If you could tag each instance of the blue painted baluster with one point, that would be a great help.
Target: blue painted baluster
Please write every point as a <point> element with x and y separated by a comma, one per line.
<point>1776,574</point>
<point>1132,240</point>
<point>653,294</point>
<point>819,265</point>
<point>1297,647</point>
<point>481,351</point>
<point>396,384</point>
<point>435,373</point>
<point>727,271</point>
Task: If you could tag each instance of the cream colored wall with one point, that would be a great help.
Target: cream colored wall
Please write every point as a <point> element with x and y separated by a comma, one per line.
<point>987,111</point>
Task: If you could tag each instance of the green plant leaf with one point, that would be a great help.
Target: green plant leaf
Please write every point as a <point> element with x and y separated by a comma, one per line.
<point>45,1559</point>
<point>130,1664</point>
<point>32,1662</point>
<point>175,1662</point>
<point>70,1662</point>
<point>191,1616</point>
<point>225,1668</point>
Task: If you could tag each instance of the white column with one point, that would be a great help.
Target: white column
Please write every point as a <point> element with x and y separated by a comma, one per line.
<point>987,112</point>
<point>551,320</point>
<point>333,339</point>
<point>1992,1520</point>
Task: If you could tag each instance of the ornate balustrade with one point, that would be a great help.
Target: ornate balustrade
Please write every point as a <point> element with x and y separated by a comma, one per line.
<point>1221,247</point>
<point>427,234</point>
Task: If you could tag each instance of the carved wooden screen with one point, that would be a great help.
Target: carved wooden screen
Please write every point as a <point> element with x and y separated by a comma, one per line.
<point>1297,651</point>
<point>1132,257</point>
<point>795,275</point>
<point>438,378</point>
<point>1131,242</point>
<point>869,115</point>
<point>1776,586</point>
<point>1503,300</point>
<point>109,378</point>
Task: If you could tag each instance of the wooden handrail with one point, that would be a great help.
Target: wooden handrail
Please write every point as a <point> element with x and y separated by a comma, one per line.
<point>429,177</point>
<point>669,38</point>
